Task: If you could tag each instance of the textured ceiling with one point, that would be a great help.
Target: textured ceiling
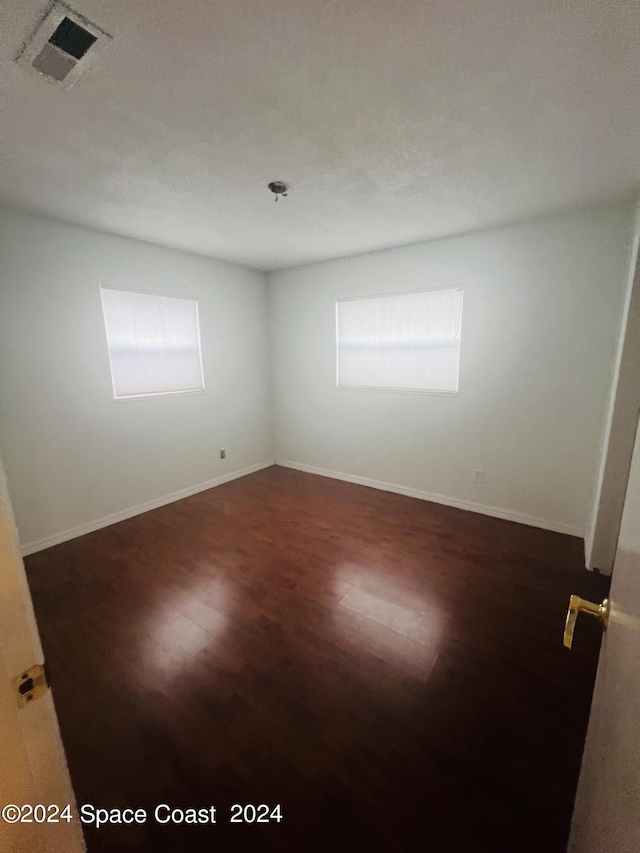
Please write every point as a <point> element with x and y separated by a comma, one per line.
<point>393,121</point>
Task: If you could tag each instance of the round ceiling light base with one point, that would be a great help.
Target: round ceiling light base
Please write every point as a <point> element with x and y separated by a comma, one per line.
<point>279,188</point>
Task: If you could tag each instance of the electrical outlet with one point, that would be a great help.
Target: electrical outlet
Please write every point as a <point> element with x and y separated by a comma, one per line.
<point>478,475</point>
<point>223,453</point>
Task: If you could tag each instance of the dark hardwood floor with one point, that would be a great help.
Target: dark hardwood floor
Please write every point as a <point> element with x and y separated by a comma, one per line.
<point>388,670</point>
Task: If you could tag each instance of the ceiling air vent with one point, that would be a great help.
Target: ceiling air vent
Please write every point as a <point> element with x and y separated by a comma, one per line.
<point>63,45</point>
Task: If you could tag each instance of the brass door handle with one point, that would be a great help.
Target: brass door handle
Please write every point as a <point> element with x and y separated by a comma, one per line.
<point>581,605</point>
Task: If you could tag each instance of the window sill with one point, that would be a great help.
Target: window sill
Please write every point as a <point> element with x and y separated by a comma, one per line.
<point>137,397</point>
<point>397,390</point>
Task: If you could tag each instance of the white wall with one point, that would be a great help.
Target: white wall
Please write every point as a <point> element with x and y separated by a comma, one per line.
<point>542,310</point>
<point>543,302</point>
<point>73,455</point>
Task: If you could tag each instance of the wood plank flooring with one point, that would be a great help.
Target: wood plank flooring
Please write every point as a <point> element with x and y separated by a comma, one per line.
<point>388,670</point>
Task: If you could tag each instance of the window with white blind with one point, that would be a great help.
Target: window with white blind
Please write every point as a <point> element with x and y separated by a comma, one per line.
<point>403,341</point>
<point>154,343</point>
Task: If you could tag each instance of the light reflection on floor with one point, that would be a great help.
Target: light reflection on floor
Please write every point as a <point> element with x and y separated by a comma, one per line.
<point>387,620</point>
<point>185,624</point>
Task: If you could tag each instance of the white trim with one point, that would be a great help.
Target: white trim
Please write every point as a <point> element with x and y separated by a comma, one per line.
<point>471,506</point>
<point>130,397</point>
<point>139,509</point>
<point>142,291</point>
<point>396,390</point>
<point>391,293</point>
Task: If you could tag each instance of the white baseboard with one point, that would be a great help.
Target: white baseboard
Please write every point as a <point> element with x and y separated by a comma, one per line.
<point>472,506</point>
<point>121,515</point>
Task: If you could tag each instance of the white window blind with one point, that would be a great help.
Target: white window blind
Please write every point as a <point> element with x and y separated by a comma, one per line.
<point>154,343</point>
<point>405,341</point>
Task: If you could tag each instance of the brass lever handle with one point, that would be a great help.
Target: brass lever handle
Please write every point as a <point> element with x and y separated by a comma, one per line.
<point>581,605</point>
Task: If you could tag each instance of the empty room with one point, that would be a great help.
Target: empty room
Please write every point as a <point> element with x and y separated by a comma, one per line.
<point>319,398</point>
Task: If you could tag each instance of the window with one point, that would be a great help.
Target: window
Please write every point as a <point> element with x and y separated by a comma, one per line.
<point>154,343</point>
<point>404,341</point>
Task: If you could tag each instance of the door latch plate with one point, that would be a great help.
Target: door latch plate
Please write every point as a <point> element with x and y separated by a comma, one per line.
<point>30,685</point>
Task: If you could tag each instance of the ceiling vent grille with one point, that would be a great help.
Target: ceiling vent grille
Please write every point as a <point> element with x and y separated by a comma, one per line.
<point>63,45</point>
